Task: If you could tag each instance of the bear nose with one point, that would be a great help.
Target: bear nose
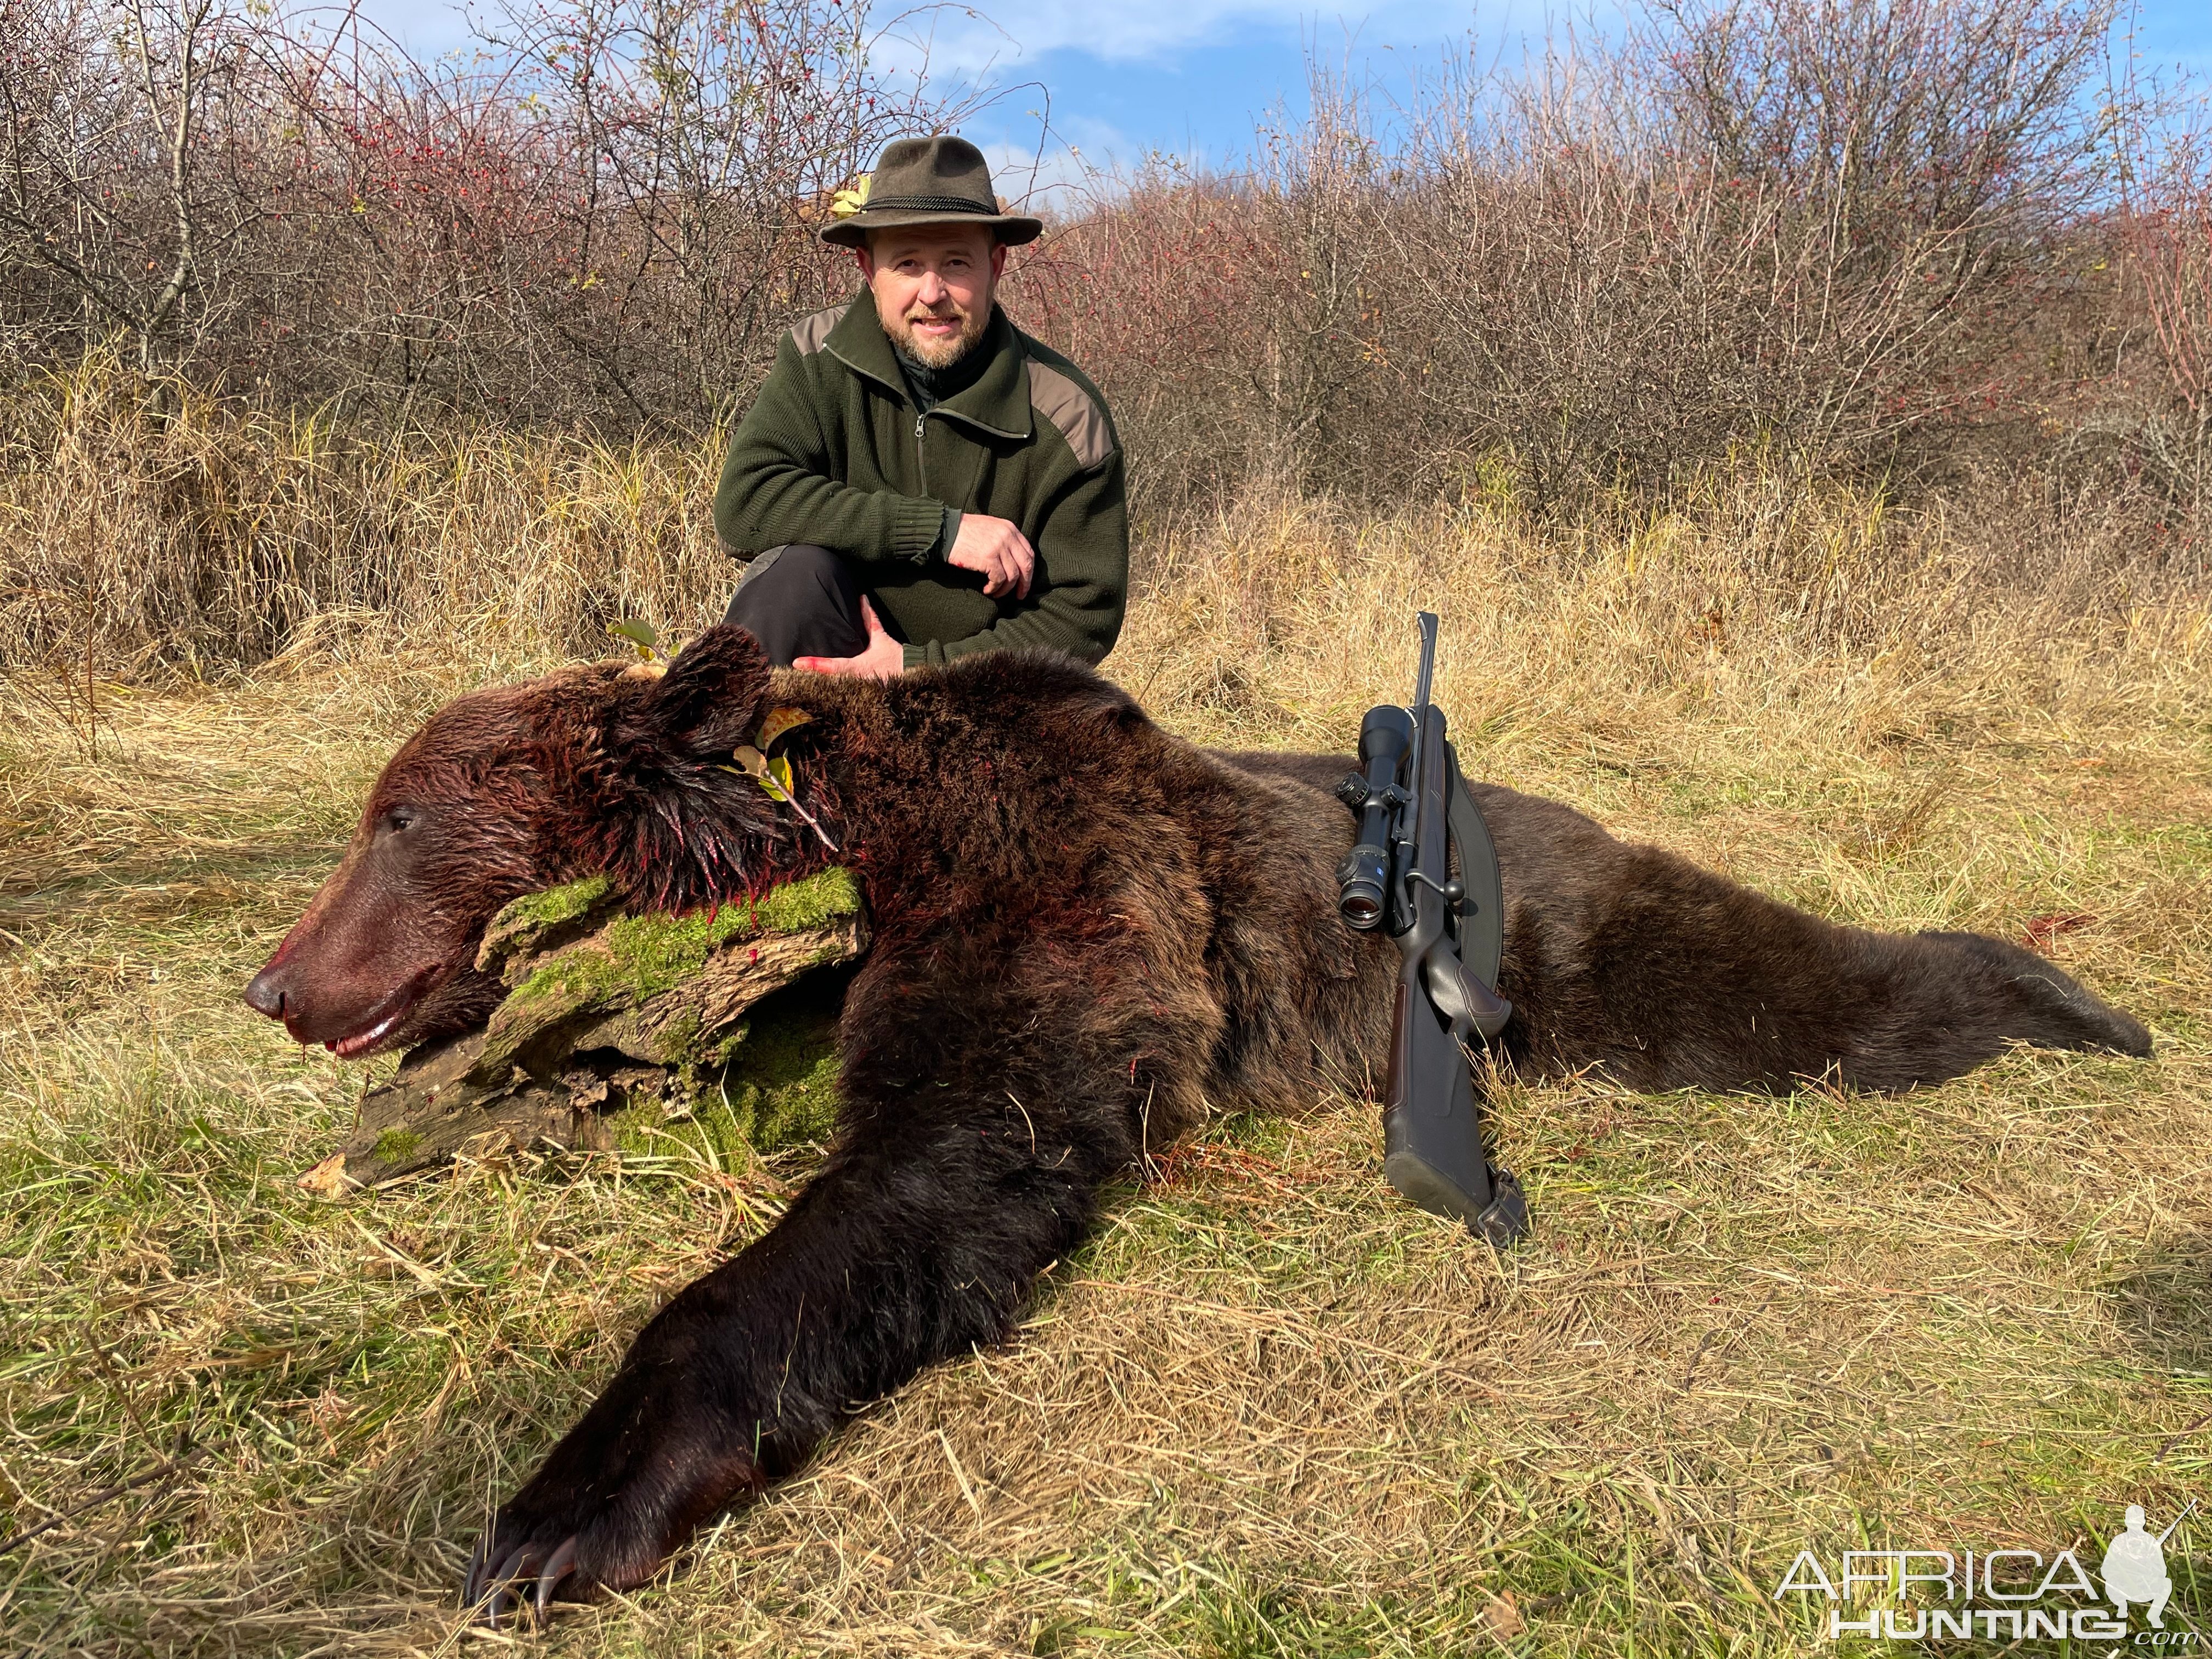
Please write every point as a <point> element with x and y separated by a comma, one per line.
<point>268,994</point>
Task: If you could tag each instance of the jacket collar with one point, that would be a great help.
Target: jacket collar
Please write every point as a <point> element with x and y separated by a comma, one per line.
<point>999,401</point>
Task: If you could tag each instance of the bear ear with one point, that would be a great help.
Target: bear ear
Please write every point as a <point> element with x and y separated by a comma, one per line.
<point>707,702</point>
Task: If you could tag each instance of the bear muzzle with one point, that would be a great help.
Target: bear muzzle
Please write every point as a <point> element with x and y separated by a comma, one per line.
<point>339,1022</point>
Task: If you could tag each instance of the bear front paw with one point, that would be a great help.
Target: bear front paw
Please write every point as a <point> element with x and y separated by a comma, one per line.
<point>622,1490</point>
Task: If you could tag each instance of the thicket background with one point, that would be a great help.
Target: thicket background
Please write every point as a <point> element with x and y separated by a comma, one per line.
<point>1797,413</point>
<point>294,327</point>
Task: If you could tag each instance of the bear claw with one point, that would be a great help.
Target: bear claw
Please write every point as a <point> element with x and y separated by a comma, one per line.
<point>514,1576</point>
<point>550,1574</point>
<point>472,1586</point>
<point>489,1592</point>
<point>521,1565</point>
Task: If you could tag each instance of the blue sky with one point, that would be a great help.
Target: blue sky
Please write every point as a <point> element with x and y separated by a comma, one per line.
<point>1128,77</point>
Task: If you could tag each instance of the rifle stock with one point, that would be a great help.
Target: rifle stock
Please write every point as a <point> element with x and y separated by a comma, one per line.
<point>1432,1136</point>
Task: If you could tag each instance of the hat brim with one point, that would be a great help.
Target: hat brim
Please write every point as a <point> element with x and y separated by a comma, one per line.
<point>1012,229</point>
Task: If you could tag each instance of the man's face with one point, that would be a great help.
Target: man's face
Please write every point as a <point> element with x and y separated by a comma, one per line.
<point>932,285</point>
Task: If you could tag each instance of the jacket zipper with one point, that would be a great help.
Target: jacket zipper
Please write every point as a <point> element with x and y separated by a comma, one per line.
<point>920,463</point>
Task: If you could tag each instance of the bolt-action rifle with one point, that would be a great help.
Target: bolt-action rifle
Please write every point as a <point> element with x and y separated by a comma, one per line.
<point>1415,815</point>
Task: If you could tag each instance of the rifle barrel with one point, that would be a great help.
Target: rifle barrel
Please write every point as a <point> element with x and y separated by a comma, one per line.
<point>1428,672</point>
<point>2177,1520</point>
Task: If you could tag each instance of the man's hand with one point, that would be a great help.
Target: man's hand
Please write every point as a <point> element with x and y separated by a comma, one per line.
<point>884,658</point>
<point>997,549</point>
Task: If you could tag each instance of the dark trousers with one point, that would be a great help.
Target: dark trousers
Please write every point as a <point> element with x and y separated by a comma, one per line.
<point>801,600</point>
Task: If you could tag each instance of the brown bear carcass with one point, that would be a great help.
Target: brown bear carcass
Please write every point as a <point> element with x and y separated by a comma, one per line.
<point>1087,934</point>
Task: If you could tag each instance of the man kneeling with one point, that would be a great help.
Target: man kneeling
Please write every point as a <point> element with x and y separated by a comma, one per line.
<point>922,479</point>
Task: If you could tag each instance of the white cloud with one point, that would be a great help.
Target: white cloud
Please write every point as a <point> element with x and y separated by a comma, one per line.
<point>1000,36</point>
<point>961,38</point>
<point>425,27</point>
<point>1127,31</point>
<point>1080,160</point>
<point>1144,31</point>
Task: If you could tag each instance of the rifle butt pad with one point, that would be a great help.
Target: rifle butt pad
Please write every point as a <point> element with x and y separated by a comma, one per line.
<point>1503,1219</point>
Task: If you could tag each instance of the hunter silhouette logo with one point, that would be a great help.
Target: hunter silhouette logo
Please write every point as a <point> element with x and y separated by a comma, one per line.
<point>1999,1595</point>
<point>2135,1566</point>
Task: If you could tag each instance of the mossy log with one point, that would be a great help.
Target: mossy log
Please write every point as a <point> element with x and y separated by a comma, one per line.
<point>642,1032</point>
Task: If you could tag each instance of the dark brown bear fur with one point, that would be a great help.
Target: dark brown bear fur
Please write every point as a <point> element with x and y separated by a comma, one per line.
<point>1088,935</point>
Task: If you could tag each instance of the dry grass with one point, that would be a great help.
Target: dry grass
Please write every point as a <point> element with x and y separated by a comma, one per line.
<point>1269,1410</point>
<point>219,535</point>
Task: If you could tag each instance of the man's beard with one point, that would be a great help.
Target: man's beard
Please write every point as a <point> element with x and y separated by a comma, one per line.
<point>938,354</point>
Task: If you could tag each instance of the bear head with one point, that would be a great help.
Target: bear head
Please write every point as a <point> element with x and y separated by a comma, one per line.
<point>506,792</point>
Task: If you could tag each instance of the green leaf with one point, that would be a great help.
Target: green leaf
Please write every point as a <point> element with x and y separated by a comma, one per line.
<point>642,635</point>
<point>773,775</point>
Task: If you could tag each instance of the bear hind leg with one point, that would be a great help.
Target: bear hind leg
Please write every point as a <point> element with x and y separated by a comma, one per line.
<point>2049,1007</point>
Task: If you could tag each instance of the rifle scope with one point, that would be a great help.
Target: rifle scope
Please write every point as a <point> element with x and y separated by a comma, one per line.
<point>1363,880</point>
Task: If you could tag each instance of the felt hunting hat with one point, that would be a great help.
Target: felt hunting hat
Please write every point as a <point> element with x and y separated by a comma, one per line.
<point>926,181</point>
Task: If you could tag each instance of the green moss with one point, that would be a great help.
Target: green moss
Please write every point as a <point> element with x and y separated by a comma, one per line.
<point>396,1146</point>
<point>555,905</point>
<point>772,1086</point>
<point>780,1085</point>
<point>645,955</point>
<point>676,1043</point>
<point>536,920</point>
<point>800,1110</point>
<point>798,905</point>
<point>638,1130</point>
<point>724,1130</point>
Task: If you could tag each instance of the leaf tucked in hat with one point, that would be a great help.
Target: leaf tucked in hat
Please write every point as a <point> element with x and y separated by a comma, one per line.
<point>935,180</point>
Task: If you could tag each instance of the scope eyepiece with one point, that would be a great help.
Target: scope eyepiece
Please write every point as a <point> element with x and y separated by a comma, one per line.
<point>1359,884</point>
<point>1363,880</point>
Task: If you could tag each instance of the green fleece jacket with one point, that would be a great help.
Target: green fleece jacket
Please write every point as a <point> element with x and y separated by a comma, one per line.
<point>834,452</point>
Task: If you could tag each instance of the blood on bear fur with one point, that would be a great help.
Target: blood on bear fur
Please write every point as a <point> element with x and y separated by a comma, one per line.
<point>1087,934</point>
